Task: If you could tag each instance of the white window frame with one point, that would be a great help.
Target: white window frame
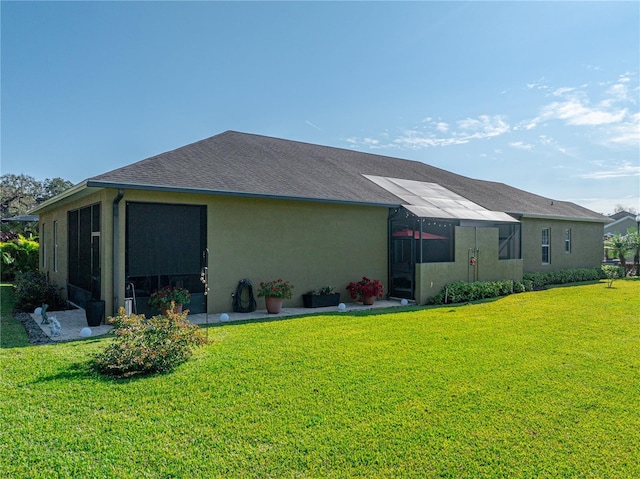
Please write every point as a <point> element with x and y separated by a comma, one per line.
<point>546,245</point>
<point>567,240</point>
<point>55,246</point>
<point>43,246</point>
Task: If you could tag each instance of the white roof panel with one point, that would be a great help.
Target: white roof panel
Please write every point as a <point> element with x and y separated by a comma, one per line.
<point>430,200</point>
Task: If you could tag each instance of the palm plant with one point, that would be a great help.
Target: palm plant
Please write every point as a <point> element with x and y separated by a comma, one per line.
<point>619,246</point>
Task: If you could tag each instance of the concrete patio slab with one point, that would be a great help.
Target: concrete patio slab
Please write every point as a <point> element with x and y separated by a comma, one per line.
<point>73,321</point>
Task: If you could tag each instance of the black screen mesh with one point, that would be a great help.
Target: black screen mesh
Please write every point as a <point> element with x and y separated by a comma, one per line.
<point>164,239</point>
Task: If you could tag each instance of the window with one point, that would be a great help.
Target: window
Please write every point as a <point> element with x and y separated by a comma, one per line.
<point>546,246</point>
<point>55,246</point>
<point>83,225</point>
<point>43,246</point>
<point>567,240</point>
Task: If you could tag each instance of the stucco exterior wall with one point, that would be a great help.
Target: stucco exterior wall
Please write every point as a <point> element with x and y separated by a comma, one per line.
<point>431,278</point>
<point>586,244</point>
<point>311,244</point>
<point>47,219</point>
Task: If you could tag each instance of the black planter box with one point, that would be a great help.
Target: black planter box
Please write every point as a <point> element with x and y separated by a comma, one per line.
<point>320,300</point>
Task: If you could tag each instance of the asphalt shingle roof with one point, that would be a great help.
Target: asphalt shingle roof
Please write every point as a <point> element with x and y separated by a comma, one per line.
<point>241,163</point>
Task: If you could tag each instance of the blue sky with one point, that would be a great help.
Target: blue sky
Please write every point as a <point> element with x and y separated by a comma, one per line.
<point>543,96</point>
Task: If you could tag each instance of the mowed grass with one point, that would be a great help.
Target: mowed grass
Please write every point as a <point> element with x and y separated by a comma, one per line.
<point>542,384</point>
<point>12,333</point>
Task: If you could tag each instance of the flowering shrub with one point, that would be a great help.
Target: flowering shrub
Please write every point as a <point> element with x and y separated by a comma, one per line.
<point>366,288</point>
<point>144,346</point>
<point>162,299</point>
<point>276,289</point>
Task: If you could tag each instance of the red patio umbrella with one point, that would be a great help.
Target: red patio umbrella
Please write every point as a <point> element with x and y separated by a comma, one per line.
<point>407,232</point>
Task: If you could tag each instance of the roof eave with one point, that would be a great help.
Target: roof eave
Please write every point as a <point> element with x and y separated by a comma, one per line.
<point>203,191</point>
<point>73,191</point>
<point>562,218</point>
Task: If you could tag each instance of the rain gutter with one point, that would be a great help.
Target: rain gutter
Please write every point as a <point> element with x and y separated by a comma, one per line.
<point>116,248</point>
<point>202,191</point>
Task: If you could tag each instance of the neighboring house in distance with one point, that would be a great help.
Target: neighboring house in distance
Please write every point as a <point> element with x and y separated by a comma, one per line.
<point>250,206</point>
<point>621,222</point>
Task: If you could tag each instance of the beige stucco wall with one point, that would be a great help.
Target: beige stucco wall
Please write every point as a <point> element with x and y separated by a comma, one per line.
<point>311,244</point>
<point>432,277</point>
<point>586,244</point>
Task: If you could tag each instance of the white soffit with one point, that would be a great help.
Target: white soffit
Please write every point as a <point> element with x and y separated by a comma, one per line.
<point>430,200</point>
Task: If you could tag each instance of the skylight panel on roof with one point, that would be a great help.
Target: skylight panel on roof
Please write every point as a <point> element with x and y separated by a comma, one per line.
<point>431,200</point>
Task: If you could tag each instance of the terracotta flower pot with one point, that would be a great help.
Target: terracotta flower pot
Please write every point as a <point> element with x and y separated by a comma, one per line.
<point>368,300</point>
<point>274,305</point>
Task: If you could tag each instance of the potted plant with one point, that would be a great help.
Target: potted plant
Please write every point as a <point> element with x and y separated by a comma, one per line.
<point>366,290</point>
<point>167,298</point>
<point>321,298</point>
<point>274,293</point>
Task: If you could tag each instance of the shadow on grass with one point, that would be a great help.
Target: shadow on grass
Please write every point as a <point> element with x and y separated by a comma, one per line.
<point>87,371</point>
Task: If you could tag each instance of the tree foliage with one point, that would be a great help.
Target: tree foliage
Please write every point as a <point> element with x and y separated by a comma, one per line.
<point>21,193</point>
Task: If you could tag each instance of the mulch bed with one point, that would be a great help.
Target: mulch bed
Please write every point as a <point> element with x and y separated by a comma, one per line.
<point>34,331</point>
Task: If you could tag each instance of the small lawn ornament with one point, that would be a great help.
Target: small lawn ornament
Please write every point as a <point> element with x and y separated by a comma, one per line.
<point>43,312</point>
<point>55,327</point>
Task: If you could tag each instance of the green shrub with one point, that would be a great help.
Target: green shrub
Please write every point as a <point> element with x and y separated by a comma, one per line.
<point>540,280</point>
<point>462,292</point>
<point>612,272</point>
<point>19,255</point>
<point>145,346</point>
<point>33,289</point>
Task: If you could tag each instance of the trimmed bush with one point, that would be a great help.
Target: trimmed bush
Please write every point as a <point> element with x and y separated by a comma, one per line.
<point>145,346</point>
<point>540,280</point>
<point>33,289</point>
<point>463,292</point>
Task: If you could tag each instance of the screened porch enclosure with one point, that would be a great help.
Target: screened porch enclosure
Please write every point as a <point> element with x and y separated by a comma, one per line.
<point>165,246</point>
<point>416,240</point>
<point>83,233</point>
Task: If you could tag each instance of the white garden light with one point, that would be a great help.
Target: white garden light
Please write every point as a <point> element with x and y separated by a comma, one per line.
<point>86,332</point>
<point>224,317</point>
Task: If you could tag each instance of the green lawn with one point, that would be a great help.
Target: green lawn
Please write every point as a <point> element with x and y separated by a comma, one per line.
<point>543,384</point>
<point>12,332</point>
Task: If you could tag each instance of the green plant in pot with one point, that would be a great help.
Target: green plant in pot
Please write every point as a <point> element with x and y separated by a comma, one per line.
<point>321,298</point>
<point>275,292</point>
<point>169,298</point>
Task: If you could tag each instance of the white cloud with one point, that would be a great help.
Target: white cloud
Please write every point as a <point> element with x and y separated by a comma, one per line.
<point>442,127</point>
<point>575,112</point>
<point>606,111</point>
<point>519,145</point>
<point>628,133</point>
<point>619,171</point>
